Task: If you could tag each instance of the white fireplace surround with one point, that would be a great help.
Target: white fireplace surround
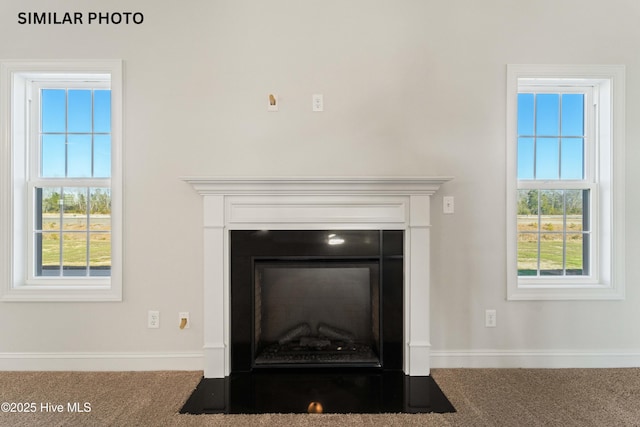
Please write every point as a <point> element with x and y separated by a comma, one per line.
<point>316,203</point>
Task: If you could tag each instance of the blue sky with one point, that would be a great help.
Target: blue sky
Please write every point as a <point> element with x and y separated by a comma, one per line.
<point>67,120</point>
<point>550,136</point>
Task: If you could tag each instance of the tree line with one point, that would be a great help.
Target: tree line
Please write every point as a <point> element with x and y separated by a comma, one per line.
<point>97,202</point>
<point>551,202</point>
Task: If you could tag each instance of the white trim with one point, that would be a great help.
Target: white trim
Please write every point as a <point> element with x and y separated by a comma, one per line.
<point>236,203</point>
<point>608,200</point>
<point>418,359</point>
<point>288,209</point>
<point>13,197</point>
<point>440,359</point>
<point>365,185</point>
<point>534,359</point>
<point>216,363</point>
<point>187,361</point>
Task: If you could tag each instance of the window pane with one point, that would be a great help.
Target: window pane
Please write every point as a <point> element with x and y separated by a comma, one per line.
<point>586,251</point>
<point>572,166</point>
<point>100,201</point>
<point>54,110</point>
<point>528,204</point>
<point>74,254</point>
<point>551,254</point>
<point>79,156</point>
<point>527,254</point>
<point>547,158</point>
<point>48,200</point>
<point>572,114</point>
<point>525,114</point>
<point>79,110</point>
<point>575,246</point>
<point>75,204</point>
<point>525,158</point>
<point>47,227</point>
<point>574,207</point>
<point>547,114</point>
<point>555,239</point>
<point>47,254</point>
<point>100,254</point>
<point>52,162</point>
<point>76,221</point>
<point>102,156</point>
<point>551,210</point>
<point>586,197</point>
<point>527,232</point>
<point>74,235</point>
<point>102,111</point>
<point>100,236</point>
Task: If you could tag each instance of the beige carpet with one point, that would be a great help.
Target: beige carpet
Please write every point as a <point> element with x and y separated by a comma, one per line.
<point>504,397</point>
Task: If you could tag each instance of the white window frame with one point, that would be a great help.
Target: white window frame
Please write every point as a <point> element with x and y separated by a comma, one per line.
<point>604,177</point>
<point>589,182</point>
<point>19,156</point>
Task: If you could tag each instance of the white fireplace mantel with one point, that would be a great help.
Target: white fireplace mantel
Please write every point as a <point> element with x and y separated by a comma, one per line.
<point>237,203</point>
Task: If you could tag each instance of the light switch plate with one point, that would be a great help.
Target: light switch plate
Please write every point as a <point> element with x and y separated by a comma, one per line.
<point>447,204</point>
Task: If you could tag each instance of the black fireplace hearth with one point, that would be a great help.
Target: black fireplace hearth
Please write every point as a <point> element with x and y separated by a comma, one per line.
<point>338,392</point>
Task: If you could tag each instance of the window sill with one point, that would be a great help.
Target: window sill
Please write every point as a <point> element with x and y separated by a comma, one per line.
<point>52,293</point>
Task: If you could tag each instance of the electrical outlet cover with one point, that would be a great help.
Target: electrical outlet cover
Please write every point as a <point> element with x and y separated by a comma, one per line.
<point>490,319</point>
<point>153,319</point>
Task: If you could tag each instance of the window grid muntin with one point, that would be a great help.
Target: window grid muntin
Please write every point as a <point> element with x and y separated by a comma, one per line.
<point>39,232</point>
<point>535,90</point>
<point>101,82</point>
<point>586,233</point>
<point>67,86</point>
<point>559,184</point>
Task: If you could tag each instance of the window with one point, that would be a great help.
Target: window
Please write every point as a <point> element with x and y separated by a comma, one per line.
<point>62,233</point>
<point>555,180</point>
<point>565,204</point>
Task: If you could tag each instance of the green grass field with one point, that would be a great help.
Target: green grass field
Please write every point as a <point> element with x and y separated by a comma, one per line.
<point>76,238</point>
<point>551,256</point>
<point>74,249</point>
<point>551,244</point>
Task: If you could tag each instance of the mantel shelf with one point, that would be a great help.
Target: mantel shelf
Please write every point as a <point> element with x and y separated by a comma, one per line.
<point>395,185</point>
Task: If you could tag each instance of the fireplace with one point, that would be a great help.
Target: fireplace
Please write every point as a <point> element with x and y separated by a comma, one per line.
<point>316,314</point>
<point>313,288</point>
<point>316,299</point>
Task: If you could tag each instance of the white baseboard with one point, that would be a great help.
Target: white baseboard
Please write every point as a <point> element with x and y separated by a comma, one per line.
<point>101,361</point>
<point>534,359</point>
<point>439,359</point>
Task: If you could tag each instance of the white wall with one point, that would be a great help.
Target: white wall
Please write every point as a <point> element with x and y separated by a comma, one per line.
<point>411,87</point>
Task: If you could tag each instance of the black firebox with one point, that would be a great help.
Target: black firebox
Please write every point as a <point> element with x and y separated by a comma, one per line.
<point>316,299</point>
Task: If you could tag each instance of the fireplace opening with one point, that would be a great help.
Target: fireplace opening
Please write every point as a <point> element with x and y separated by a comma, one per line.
<point>316,312</point>
<point>316,299</point>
